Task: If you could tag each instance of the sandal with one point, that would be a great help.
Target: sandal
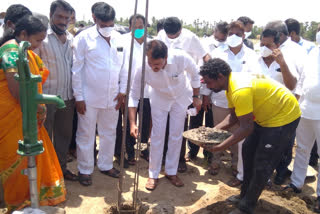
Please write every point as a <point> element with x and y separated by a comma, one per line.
<point>68,175</point>
<point>175,180</point>
<point>152,183</point>
<point>84,179</point>
<point>234,182</point>
<point>182,167</point>
<point>112,173</point>
<point>317,206</point>
<point>292,187</point>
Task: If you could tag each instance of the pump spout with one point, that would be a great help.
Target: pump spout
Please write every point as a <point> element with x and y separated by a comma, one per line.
<point>50,99</point>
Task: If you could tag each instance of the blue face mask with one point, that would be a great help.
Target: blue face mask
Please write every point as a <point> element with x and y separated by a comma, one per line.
<point>138,33</point>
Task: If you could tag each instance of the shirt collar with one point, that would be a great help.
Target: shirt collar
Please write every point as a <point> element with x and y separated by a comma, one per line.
<point>50,31</point>
<point>285,43</point>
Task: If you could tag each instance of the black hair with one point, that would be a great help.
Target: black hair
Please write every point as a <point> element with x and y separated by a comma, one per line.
<point>172,25</point>
<point>271,33</point>
<point>245,20</point>
<point>158,49</point>
<point>94,6</point>
<point>278,26</point>
<point>61,4</point>
<point>104,12</point>
<point>138,16</point>
<point>236,24</point>
<point>15,12</point>
<point>222,27</point>
<point>293,25</point>
<point>29,23</point>
<point>214,67</point>
<point>160,24</point>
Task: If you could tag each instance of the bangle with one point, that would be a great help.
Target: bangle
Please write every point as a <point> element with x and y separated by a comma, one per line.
<point>196,96</point>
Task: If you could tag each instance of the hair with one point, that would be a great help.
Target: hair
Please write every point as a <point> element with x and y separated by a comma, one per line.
<point>138,16</point>
<point>278,26</point>
<point>293,26</point>
<point>15,12</point>
<point>236,24</point>
<point>271,33</point>
<point>94,6</point>
<point>29,23</point>
<point>158,49</point>
<point>172,25</point>
<point>44,19</point>
<point>245,20</point>
<point>61,4</point>
<point>222,27</point>
<point>214,67</point>
<point>160,24</point>
<point>104,12</point>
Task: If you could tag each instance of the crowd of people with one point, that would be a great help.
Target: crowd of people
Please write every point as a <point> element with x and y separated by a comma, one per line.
<point>267,99</point>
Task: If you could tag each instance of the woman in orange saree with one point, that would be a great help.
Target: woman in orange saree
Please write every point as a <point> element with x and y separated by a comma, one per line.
<point>50,181</point>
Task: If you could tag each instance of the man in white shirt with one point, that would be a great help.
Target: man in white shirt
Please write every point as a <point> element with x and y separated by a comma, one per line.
<point>99,84</point>
<point>171,93</point>
<point>241,59</point>
<point>294,32</point>
<point>56,53</point>
<point>176,37</point>
<point>294,55</point>
<point>218,38</point>
<point>248,24</point>
<point>309,127</point>
<point>137,57</point>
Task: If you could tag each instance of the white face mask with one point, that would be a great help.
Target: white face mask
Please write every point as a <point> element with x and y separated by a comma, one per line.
<point>318,38</point>
<point>247,34</point>
<point>105,31</point>
<point>218,44</point>
<point>234,40</point>
<point>265,52</point>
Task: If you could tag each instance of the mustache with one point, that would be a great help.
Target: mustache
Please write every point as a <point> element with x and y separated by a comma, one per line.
<point>62,25</point>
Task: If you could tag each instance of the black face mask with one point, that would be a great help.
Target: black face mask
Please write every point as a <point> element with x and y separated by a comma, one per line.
<point>57,30</point>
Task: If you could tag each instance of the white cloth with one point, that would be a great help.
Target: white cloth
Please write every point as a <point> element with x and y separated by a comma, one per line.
<point>98,69</point>
<point>307,132</point>
<point>240,162</point>
<point>211,44</point>
<point>310,86</point>
<point>274,72</point>
<point>170,84</point>
<point>85,137</point>
<point>244,61</point>
<point>187,41</point>
<point>159,123</point>
<point>57,57</point>
<point>306,45</point>
<point>136,59</point>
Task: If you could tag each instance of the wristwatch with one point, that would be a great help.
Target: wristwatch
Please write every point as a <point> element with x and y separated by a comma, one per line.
<point>196,96</point>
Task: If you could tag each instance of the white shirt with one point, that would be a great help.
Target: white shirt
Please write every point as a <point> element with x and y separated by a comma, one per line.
<point>187,41</point>
<point>274,71</point>
<point>169,85</point>
<point>136,59</point>
<point>310,98</point>
<point>211,44</point>
<point>306,45</point>
<point>244,61</point>
<point>98,68</point>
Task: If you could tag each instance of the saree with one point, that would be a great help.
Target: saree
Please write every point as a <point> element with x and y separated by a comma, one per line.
<point>51,188</point>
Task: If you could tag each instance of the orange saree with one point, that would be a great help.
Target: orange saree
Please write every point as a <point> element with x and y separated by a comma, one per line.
<point>51,187</point>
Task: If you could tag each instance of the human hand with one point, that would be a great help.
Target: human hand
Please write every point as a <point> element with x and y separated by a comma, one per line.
<point>206,103</point>
<point>120,100</point>
<point>197,103</point>
<point>41,114</point>
<point>81,107</point>
<point>134,130</point>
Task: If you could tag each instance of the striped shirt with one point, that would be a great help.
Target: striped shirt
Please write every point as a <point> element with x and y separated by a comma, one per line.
<point>57,56</point>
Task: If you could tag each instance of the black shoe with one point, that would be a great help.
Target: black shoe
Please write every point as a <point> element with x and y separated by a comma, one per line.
<point>279,179</point>
<point>112,173</point>
<point>293,187</point>
<point>125,163</point>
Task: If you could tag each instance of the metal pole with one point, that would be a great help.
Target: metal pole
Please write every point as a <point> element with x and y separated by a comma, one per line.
<point>137,169</point>
<point>32,175</point>
<point>124,133</point>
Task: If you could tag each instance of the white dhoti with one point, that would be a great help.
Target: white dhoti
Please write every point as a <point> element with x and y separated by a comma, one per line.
<point>307,132</point>
<point>159,122</point>
<point>85,138</point>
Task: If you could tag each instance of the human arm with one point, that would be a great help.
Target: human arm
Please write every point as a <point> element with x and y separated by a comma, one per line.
<point>206,96</point>
<point>123,77</point>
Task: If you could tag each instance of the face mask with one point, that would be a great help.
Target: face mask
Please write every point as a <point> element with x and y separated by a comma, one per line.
<point>234,40</point>
<point>138,33</point>
<point>265,52</point>
<point>105,31</point>
<point>217,43</point>
<point>57,30</point>
<point>318,38</point>
<point>247,34</point>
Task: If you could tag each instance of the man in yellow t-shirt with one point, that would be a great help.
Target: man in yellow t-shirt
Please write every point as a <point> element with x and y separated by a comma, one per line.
<point>268,114</point>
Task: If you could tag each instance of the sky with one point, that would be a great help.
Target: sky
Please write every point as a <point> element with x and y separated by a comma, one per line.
<point>261,11</point>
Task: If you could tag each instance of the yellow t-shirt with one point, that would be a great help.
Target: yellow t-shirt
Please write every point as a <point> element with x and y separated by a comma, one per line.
<point>272,104</point>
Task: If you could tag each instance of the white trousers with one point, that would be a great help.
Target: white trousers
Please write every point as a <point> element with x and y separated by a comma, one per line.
<point>307,132</point>
<point>85,137</point>
<point>176,124</point>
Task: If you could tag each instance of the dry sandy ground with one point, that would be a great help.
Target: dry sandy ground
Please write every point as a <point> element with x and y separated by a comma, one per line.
<point>201,194</point>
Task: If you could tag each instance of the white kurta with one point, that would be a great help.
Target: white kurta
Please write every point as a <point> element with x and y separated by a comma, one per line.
<point>172,94</point>
<point>98,76</point>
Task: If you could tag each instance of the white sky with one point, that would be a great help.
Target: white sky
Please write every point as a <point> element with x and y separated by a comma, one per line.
<point>261,11</point>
